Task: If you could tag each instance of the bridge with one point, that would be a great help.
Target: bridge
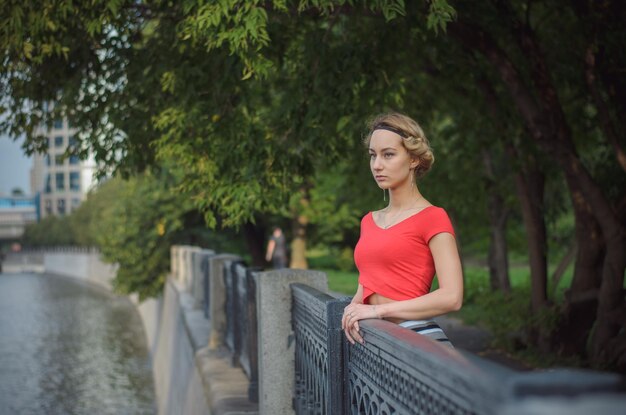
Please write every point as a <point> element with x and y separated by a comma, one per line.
<point>16,212</point>
<point>229,339</point>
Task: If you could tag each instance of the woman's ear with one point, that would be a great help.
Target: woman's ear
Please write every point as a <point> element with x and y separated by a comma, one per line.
<point>414,163</point>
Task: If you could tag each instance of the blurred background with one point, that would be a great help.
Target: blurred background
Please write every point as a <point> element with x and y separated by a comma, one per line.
<point>144,124</point>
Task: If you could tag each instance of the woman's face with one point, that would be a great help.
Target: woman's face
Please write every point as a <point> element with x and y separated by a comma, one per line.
<point>390,162</point>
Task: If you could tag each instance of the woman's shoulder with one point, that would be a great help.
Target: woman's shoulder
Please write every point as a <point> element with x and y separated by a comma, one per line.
<point>433,210</point>
<point>435,220</point>
<point>367,216</point>
<point>434,213</point>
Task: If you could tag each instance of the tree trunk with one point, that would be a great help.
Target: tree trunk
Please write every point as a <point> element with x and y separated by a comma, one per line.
<point>529,182</point>
<point>581,300</point>
<point>549,128</point>
<point>603,112</point>
<point>298,245</point>
<point>498,214</point>
<point>530,186</point>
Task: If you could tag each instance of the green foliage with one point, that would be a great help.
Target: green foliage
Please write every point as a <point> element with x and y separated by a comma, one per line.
<point>441,13</point>
<point>507,316</point>
<point>134,223</point>
<point>50,231</point>
<point>176,80</point>
<point>338,264</point>
<point>342,282</point>
<point>137,230</point>
<point>345,261</point>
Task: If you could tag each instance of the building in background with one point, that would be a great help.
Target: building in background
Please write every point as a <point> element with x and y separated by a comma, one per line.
<point>61,182</point>
<point>16,212</point>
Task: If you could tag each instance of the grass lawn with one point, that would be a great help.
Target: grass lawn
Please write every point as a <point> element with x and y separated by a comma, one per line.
<point>344,282</point>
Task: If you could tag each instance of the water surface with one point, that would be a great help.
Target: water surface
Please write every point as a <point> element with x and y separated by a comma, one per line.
<point>67,347</point>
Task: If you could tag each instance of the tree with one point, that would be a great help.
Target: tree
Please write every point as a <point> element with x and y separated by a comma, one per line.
<point>539,105</point>
<point>50,231</point>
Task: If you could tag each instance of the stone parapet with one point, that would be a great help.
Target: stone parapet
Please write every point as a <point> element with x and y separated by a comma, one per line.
<point>276,337</point>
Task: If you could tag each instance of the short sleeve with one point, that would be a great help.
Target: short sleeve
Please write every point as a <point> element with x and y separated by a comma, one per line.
<point>437,222</point>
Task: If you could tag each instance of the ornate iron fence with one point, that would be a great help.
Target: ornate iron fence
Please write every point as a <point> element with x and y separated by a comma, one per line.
<point>397,371</point>
<point>248,351</point>
<point>241,321</point>
<point>232,313</point>
<point>316,319</point>
<point>206,294</point>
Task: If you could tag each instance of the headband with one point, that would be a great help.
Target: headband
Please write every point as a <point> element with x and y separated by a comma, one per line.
<point>383,126</point>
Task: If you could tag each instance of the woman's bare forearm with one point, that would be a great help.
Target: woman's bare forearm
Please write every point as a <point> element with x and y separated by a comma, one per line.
<point>436,303</point>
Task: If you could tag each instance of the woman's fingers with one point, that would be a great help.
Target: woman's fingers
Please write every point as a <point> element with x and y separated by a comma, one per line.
<point>344,321</point>
<point>350,324</point>
<point>352,332</point>
<point>356,334</point>
<point>348,336</point>
<point>344,318</point>
<point>347,318</point>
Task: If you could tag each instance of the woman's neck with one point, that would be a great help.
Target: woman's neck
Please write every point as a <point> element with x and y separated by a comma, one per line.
<point>403,197</point>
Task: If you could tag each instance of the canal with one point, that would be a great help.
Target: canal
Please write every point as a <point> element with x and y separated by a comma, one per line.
<point>67,347</point>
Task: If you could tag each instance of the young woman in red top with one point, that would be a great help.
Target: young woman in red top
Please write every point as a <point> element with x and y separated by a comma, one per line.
<point>404,245</point>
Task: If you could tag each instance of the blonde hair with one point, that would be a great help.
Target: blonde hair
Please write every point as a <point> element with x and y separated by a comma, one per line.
<point>413,139</point>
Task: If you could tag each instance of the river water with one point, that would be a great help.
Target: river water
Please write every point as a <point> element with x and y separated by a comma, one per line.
<point>67,347</point>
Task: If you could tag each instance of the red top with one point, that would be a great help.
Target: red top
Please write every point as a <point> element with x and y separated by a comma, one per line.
<point>396,262</point>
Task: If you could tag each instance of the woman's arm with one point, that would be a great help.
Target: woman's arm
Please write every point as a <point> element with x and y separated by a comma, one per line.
<point>358,296</point>
<point>448,297</point>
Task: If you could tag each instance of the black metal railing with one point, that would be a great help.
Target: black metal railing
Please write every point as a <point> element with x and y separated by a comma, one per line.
<point>397,371</point>
<point>206,286</point>
<point>316,319</point>
<point>231,311</point>
<point>241,321</point>
<point>400,372</point>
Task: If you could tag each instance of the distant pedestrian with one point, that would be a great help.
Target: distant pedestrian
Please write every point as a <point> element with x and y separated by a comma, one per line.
<point>277,249</point>
<point>404,245</point>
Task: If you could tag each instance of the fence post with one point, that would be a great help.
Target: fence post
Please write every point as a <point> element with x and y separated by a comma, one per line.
<point>232,309</point>
<point>336,379</point>
<point>276,351</point>
<point>204,267</point>
<point>197,288</point>
<point>217,298</point>
<point>251,340</point>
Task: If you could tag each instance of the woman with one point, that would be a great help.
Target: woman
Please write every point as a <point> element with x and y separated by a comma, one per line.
<point>402,246</point>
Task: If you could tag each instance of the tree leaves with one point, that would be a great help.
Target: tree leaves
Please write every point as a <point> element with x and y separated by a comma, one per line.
<point>440,14</point>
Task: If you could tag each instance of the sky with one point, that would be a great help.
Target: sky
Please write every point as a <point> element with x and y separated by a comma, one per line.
<point>14,166</point>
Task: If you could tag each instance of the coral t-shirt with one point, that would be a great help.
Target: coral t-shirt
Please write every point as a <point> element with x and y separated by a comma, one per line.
<point>396,262</point>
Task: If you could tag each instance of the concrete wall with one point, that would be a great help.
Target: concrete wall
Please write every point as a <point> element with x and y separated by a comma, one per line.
<point>80,265</point>
<point>177,379</point>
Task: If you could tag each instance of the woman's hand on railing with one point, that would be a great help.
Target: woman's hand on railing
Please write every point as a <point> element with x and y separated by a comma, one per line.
<point>350,320</point>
